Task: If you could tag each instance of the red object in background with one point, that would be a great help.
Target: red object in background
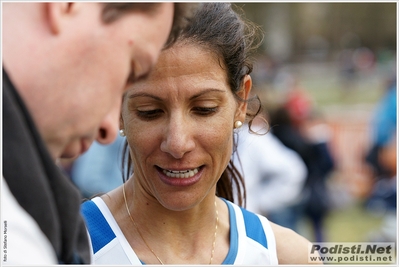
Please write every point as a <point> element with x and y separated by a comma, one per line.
<point>299,105</point>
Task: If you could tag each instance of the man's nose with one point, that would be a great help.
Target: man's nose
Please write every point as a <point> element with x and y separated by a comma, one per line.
<point>109,127</point>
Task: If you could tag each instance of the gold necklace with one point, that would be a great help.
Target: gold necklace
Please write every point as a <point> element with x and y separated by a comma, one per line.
<point>160,261</point>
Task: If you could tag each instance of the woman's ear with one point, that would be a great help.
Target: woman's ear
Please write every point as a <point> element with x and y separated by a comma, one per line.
<point>244,94</point>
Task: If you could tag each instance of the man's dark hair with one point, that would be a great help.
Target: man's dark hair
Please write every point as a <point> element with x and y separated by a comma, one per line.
<point>181,16</point>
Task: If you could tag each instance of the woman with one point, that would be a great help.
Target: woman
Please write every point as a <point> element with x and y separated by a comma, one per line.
<point>177,208</point>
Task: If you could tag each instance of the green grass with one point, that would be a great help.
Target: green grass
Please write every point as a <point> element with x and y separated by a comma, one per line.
<point>349,224</point>
<point>334,94</point>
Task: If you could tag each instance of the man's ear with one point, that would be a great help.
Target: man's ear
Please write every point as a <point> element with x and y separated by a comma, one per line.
<point>244,94</point>
<point>56,12</point>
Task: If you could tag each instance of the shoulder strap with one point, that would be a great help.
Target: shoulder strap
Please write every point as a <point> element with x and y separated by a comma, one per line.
<point>98,227</point>
<point>254,228</point>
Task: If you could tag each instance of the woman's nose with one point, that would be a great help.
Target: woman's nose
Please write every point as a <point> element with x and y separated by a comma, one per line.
<point>178,138</point>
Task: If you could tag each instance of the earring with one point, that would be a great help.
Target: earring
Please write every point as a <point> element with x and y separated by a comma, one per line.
<point>237,124</point>
<point>122,133</point>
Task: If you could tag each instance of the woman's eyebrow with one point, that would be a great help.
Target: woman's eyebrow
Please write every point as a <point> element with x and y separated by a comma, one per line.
<point>143,94</point>
<point>207,91</point>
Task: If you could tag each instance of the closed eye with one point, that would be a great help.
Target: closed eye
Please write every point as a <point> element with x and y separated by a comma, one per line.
<point>205,111</point>
<point>149,114</point>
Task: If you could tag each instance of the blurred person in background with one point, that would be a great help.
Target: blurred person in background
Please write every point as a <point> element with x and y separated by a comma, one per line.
<point>65,69</point>
<point>382,159</point>
<point>274,175</point>
<point>383,125</point>
<point>383,197</point>
<point>297,125</point>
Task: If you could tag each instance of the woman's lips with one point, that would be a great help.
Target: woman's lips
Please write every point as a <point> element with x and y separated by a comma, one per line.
<point>182,177</point>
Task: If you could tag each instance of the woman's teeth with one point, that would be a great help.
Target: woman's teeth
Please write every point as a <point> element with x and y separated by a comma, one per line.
<point>181,174</point>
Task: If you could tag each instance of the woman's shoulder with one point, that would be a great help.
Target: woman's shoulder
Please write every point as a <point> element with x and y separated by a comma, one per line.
<point>292,248</point>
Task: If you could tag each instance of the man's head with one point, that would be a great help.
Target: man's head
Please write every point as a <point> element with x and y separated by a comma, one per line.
<point>71,63</point>
<point>181,16</point>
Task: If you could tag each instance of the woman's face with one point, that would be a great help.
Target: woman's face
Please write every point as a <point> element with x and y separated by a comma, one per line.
<point>179,126</point>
